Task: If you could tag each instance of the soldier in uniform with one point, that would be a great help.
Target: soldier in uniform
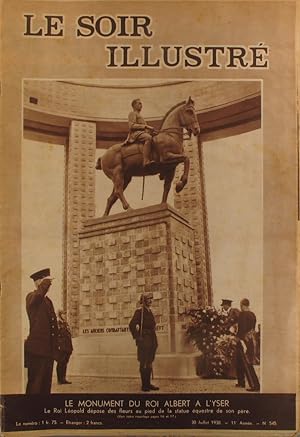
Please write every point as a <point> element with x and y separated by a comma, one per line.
<point>64,346</point>
<point>138,131</point>
<point>142,328</point>
<point>41,343</point>
<point>230,313</point>
<point>246,348</point>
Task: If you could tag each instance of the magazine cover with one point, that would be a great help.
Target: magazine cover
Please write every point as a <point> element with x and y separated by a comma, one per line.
<point>149,218</point>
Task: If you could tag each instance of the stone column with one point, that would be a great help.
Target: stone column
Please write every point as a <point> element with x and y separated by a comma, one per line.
<point>191,202</point>
<point>80,205</point>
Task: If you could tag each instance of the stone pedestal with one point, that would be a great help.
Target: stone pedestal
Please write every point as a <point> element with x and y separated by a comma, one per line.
<point>121,256</point>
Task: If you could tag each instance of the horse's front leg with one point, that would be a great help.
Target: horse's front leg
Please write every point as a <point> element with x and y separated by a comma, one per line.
<point>184,178</point>
<point>119,186</point>
<point>114,196</point>
<point>168,177</point>
<point>110,201</point>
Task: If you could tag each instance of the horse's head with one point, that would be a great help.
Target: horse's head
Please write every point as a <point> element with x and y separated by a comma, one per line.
<point>188,118</point>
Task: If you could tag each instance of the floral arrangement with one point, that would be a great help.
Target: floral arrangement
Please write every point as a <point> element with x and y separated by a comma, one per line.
<point>208,330</point>
<point>225,349</point>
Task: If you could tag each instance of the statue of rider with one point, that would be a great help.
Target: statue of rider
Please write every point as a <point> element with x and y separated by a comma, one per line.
<point>140,131</point>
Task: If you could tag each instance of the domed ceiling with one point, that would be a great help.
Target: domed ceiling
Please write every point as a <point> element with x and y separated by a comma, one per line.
<point>223,107</point>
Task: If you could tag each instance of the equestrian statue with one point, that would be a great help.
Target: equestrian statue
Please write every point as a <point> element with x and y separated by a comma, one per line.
<point>148,152</point>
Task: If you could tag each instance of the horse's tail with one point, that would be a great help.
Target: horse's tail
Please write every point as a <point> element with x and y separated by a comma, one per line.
<point>98,164</point>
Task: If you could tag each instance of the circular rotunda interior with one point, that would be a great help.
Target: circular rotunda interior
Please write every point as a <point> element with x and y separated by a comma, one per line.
<point>79,119</point>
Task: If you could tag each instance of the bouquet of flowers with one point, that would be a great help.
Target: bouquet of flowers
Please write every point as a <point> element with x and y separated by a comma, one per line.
<point>225,348</point>
<point>208,330</point>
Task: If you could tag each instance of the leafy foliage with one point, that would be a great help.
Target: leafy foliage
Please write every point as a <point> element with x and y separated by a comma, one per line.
<point>208,330</point>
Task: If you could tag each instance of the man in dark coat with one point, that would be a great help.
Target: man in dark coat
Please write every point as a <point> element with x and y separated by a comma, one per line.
<point>230,324</point>
<point>230,313</point>
<point>142,328</point>
<point>246,348</point>
<point>41,343</point>
<point>64,347</point>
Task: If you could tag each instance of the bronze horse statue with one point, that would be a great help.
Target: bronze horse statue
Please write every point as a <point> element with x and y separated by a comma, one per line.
<point>123,161</point>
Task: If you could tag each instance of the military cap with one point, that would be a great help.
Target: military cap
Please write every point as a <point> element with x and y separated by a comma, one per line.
<point>226,302</point>
<point>145,296</point>
<point>40,274</point>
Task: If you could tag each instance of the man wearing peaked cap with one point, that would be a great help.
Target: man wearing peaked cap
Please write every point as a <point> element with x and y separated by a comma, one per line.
<point>41,343</point>
<point>41,274</point>
<point>231,318</point>
<point>142,328</point>
<point>231,313</point>
<point>226,306</point>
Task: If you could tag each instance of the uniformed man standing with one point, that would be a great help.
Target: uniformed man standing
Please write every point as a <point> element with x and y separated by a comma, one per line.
<point>139,131</point>
<point>246,348</point>
<point>230,324</point>
<point>231,314</point>
<point>64,347</point>
<point>41,343</point>
<point>142,328</point>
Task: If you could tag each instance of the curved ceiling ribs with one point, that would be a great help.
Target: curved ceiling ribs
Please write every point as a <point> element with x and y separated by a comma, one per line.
<point>230,119</point>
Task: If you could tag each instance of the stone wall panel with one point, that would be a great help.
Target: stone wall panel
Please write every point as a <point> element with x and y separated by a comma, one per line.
<point>124,278</point>
<point>80,206</point>
<point>191,202</point>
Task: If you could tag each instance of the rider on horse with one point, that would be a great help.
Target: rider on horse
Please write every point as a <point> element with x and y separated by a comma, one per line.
<point>121,163</point>
<point>138,131</point>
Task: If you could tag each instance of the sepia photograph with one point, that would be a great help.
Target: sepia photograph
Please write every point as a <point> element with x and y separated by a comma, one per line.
<point>150,204</point>
<point>156,258</point>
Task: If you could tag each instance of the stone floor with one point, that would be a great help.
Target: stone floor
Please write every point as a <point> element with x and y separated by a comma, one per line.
<point>89,384</point>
